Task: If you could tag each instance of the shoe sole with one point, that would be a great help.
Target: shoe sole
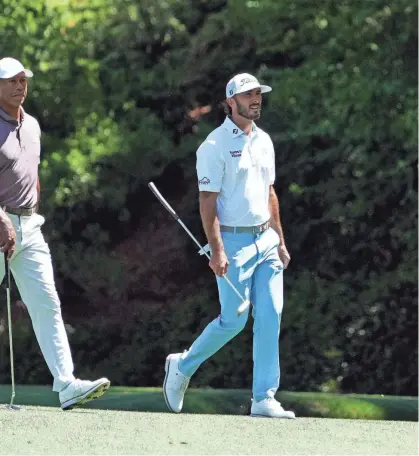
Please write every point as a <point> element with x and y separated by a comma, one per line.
<point>94,393</point>
<point>166,369</point>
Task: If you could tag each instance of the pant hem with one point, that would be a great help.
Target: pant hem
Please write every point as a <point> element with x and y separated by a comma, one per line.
<point>59,385</point>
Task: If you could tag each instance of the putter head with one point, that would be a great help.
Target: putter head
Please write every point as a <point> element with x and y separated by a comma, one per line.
<point>243,307</point>
<point>14,408</point>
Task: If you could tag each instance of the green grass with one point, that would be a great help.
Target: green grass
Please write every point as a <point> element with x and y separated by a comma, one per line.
<point>50,431</point>
<point>234,402</point>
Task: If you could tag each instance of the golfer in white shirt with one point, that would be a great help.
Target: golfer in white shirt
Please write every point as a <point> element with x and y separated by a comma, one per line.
<point>240,215</point>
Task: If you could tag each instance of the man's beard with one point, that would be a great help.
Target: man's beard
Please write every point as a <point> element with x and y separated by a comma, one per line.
<point>249,114</point>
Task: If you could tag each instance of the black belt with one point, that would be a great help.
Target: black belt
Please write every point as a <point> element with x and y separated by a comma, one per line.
<point>24,211</point>
<point>246,229</point>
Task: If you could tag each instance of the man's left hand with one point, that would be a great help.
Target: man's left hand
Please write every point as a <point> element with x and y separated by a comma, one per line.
<point>284,255</point>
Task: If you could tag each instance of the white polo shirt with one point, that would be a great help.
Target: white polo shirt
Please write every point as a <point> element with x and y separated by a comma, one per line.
<point>241,169</point>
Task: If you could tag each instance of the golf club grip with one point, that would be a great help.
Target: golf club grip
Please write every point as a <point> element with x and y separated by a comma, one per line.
<point>7,270</point>
<point>160,197</point>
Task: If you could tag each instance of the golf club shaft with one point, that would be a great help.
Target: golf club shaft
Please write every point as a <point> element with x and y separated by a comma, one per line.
<point>206,254</point>
<point>9,323</point>
<point>160,197</point>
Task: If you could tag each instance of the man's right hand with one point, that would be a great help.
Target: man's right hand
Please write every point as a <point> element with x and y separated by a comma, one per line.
<point>219,263</point>
<point>7,235</point>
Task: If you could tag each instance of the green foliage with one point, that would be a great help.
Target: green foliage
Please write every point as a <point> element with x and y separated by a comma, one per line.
<point>118,90</point>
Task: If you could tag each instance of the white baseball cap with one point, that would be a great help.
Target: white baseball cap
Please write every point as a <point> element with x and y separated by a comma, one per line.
<point>11,67</point>
<point>242,83</point>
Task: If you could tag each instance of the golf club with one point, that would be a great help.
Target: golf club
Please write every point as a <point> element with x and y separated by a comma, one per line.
<point>245,302</point>
<point>10,406</point>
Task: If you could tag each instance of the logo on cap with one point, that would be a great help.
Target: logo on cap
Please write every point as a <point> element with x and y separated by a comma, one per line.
<point>246,81</point>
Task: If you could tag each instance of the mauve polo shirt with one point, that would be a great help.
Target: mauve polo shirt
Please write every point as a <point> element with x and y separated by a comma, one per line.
<point>20,151</point>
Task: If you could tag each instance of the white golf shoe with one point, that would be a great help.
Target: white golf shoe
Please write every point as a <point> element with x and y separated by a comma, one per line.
<point>175,383</point>
<point>78,392</point>
<point>270,408</point>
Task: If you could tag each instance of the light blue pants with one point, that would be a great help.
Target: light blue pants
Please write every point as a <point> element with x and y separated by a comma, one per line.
<point>256,271</point>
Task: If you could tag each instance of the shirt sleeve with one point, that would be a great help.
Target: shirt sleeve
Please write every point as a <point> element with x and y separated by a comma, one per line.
<point>210,167</point>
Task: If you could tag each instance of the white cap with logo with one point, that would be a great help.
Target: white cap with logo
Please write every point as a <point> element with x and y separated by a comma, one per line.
<point>11,67</point>
<point>242,83</point>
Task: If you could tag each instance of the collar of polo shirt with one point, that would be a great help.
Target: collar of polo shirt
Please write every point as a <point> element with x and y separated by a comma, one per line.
<point>10,119</point>
<point>235,131</point>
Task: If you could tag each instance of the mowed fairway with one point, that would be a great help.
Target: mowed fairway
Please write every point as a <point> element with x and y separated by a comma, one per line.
<point>47,430</point>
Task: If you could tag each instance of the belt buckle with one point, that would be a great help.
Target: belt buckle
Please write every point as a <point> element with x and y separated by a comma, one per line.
<point>263,227</point>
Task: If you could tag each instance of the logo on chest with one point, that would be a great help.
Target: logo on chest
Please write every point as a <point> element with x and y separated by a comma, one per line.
<point>236,153</point>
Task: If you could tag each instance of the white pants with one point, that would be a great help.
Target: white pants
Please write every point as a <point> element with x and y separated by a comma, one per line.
<point>32,270</point>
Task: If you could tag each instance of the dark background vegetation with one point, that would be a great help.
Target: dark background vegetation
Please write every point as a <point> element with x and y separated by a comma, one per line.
<point>125,91</point>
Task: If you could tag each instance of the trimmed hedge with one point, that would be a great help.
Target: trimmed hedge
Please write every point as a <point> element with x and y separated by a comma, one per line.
<point>234,402</point>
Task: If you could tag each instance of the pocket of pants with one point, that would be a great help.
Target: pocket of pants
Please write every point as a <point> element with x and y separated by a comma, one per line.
<point>275,236</point>
<point>232,244</point>
<point>39,220</point>
<point>34,222</point>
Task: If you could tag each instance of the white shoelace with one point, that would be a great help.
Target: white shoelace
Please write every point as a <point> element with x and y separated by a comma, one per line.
<point>272,402</point>
<point>77,384</point>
